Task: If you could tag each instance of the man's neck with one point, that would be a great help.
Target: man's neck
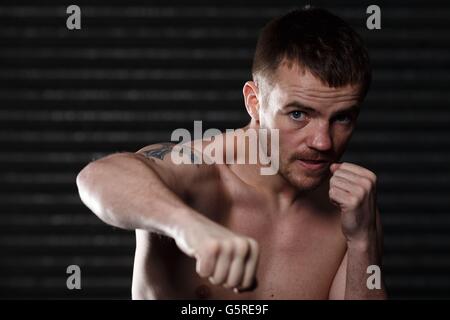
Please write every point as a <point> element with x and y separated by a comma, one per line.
<point>277,187</point>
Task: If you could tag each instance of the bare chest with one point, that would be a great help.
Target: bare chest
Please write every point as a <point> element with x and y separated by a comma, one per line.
<point>299,254</point>
<point>299,257</point>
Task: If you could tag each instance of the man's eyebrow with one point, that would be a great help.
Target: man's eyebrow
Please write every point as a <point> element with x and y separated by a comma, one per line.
<point>353,108</point>
<point>300,105</point>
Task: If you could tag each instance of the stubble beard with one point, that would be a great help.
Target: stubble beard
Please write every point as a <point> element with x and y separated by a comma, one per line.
<point>301,179</point>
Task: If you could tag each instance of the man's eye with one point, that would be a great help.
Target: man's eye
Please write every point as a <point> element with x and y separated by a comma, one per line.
<point>343,118</point>
<point>297,115</point>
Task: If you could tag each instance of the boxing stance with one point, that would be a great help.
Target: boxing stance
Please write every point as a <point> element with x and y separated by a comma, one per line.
<point>224,231</point>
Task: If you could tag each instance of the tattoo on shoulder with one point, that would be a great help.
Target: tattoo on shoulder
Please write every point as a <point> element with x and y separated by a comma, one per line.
<point>160,151</point>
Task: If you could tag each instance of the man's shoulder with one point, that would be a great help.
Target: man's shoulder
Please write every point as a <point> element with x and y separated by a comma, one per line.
<point>181,170</point>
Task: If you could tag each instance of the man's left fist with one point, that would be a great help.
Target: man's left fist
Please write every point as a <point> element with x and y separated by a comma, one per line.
<point>353,189</point>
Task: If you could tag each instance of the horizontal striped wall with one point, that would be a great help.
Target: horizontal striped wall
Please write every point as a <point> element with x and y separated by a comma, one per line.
<point>135,72</point>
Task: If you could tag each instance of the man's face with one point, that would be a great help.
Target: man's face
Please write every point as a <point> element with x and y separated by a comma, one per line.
<point>315,123</point>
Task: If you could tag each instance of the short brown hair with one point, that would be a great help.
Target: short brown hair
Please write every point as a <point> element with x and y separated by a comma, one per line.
<point>317,40</point>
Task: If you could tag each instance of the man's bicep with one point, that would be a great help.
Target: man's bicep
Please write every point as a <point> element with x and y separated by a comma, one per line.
<point>337,289</point>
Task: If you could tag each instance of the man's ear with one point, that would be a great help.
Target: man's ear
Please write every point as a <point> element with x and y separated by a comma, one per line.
<point>251,100</point>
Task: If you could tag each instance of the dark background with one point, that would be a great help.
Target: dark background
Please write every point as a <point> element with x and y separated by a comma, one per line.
<point>140,69</point>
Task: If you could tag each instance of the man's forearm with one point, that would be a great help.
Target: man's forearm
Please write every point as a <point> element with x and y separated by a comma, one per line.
<point>125,192</point>
<point>360,256</point>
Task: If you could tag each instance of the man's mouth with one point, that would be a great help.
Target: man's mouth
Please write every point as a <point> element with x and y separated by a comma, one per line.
<point>314,164</point>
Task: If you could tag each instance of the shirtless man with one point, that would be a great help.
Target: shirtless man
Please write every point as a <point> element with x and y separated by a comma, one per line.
<point>224,231</point>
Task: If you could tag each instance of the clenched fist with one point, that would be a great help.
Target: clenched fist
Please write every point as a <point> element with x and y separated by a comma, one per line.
<point>353,189</point>
<point>224,257</point>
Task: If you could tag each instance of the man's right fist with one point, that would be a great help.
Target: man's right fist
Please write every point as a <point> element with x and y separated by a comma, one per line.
<point>223,257</point>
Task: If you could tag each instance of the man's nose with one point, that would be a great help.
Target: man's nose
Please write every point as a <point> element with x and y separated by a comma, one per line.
<point>320,137</point>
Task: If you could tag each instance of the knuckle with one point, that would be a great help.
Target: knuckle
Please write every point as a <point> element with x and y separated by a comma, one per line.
<point>336,179</point>
<point>254,245</point>
<point>202,270</point>
<point>203,263</point>
<point>241,247</point>
<point>372,177</point>
<point>360,191</point>
<point>211,248</point>
<point>367,183</point>
<point>353,201</point>
<point>226,247</point>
